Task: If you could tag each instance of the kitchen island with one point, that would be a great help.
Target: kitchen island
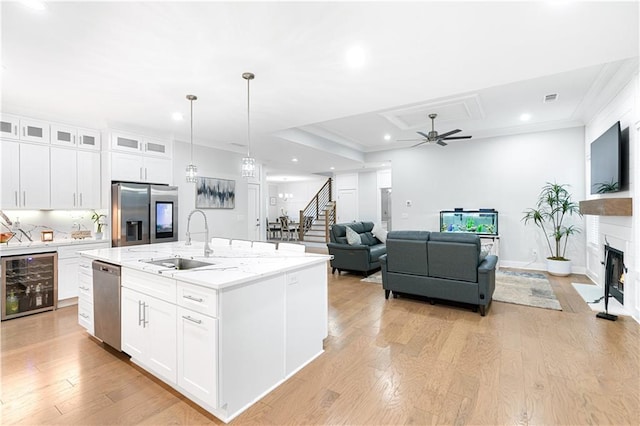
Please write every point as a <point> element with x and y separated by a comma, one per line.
<point>227,332</point>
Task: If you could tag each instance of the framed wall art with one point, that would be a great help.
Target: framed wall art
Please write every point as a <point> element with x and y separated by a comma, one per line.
<point>213,193</point>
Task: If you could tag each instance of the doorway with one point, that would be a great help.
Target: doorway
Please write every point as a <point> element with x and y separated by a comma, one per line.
<point>385,208</point>
<point>253,212</point>
<point>347,206</point>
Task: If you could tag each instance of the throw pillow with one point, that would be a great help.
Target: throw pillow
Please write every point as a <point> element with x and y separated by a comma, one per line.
<point>353,238</point>
<point>380,233</point>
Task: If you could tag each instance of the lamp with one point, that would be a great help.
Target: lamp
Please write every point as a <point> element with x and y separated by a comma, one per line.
<point>192,170</point>
<point>248,163</point>
<point>285,196</point>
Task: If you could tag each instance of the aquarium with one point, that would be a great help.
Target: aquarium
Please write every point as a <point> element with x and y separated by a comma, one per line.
<point>482,221</point>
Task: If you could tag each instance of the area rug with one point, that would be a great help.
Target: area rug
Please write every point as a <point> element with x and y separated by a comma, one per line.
<point>594,297</point>
<point>373,278</point>
<point>525,288</point>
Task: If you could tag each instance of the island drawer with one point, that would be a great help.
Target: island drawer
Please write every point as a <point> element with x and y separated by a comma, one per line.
<point>200,299</point>
<point>150,284</point>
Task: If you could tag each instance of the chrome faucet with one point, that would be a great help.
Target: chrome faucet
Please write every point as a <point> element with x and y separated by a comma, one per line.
<point>207,250</point>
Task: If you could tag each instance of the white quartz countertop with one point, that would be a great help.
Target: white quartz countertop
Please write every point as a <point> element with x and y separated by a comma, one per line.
<point>228,266</point>
<point>15,247</point>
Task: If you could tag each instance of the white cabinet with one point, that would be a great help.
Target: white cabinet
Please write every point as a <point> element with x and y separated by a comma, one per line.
<point>198,356</point>
<point>149,322</point>
<point>126,142</point>
<point>85,294</point>
<point>157,147</point>
<point>75,179</point>
<point>25,176</point>
<point>75,137</point>
<point>139,168</point>
<point>9,127</point>
<point>34,130</point>
<point>70,267</point>
<point>149,333</point>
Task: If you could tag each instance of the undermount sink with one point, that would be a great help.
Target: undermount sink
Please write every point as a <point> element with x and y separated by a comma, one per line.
<point>178,263</point>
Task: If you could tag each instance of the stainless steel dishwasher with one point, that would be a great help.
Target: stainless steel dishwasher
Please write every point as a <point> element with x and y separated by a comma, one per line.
<point>106,303</point>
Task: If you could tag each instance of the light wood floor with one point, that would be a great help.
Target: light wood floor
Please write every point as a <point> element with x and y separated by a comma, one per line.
<point>396,361</point>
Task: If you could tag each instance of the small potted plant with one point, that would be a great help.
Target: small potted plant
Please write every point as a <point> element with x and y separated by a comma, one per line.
<point>553,207</point>
<point>96,218</point>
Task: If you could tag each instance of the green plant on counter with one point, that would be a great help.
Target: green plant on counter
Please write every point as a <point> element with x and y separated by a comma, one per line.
<point>553,206</point>
<point>95,217</point>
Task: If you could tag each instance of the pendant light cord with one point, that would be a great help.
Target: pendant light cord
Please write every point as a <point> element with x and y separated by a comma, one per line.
<point>191,102</point>
<point>248,121</point>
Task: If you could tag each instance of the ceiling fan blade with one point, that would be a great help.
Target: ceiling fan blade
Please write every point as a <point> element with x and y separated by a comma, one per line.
<point>418,144</point>
<point>441,142</point>
<point>444,135</point>
<point>458,137</point>
<point>410,140</point>
<point>423,134</point>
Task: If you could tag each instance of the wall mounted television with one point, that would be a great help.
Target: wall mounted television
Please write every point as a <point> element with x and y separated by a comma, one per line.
<point>609,161</point>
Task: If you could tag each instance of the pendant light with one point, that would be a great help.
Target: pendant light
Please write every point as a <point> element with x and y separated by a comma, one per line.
<point>248,163</point>
<point>192,170</point>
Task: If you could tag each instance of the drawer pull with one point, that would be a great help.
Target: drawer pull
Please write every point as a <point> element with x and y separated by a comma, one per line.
<point>188,318</point>
<point>83,315</point>
<point>195,299</point>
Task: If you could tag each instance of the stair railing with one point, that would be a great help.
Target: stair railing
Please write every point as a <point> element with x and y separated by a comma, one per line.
<point>314,209</point>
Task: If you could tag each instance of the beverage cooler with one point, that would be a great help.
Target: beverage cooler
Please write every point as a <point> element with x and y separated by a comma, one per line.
<point>29,284</point>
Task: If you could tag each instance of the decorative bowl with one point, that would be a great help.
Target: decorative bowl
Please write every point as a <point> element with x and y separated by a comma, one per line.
<point>6,236</point>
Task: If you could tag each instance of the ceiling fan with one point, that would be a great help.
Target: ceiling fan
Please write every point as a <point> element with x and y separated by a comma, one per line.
<point>433,136</point>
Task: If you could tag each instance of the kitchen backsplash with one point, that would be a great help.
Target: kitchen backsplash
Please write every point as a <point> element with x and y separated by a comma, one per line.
<point>61,222</point>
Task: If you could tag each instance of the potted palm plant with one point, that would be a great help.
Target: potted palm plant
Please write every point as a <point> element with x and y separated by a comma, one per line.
<point>96,218</point>
<point>553,207</point>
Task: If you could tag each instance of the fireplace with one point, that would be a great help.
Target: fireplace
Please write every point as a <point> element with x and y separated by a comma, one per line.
<point>614,272</point>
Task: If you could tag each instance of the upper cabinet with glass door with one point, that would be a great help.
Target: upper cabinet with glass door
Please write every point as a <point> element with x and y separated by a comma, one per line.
<point>24,129</point>
<point>70,136</point>
<point>128,142</point>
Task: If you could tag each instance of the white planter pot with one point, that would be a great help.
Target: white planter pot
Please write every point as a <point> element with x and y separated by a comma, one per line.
<point>559,268</point>
<point>98,235</point>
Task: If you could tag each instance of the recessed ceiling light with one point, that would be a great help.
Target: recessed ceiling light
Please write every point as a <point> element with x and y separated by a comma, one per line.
<point>387,137</point>
<point>34,4</point>
<point>295,160</point>
<point>177,116</point>
<point>525,117</point>
<point>355,57</point>
<point>332,168</point>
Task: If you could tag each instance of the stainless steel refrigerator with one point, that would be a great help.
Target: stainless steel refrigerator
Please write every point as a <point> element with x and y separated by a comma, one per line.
<point>143,214</point>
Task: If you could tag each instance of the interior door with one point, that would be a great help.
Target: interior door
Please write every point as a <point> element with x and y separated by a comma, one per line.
<point>254,223</point>
<point>347,205</point>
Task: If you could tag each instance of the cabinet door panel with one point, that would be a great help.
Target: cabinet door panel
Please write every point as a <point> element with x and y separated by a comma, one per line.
<point>9,127</point>
<point>158,170</point>
<point>197,355</point>
<point>160,326</point>
<point>63,179</point>
<point>34,131</point>
<point>88,179</point>
<point>34,176</point>
<point>68,278</point>
<point>133,336</point>
<point>10,175</point>
<point>64,135</point>
<point>89,139</point>
<point>126,167</point>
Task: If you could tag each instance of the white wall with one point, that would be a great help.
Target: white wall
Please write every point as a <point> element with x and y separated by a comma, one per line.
<point>226,223</point>
<point>368,204</point>
<point>505,173</point>
<point>622,232</point>
<point>302,192</point>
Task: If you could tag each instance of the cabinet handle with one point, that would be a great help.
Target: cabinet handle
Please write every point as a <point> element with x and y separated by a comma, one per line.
<point>24,131</point>
<point>145,310</point>
<point>15,130</point>
<point>85,316</point>
<point>16,194</point>
<point>81,199</point>
<point>24,198</point>
<point>140,312</point>
<point>188,318</point>
<point>195,299</point>
<point>84,266</point>
<point>145,173</point>
<point>140,173</point>
<point>74,199</point>
<point>74,139</point>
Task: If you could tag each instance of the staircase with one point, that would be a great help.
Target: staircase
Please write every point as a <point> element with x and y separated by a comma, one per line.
<point>319,215</point>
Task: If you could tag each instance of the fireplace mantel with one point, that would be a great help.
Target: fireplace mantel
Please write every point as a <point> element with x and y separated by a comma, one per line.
<point>607,207</point>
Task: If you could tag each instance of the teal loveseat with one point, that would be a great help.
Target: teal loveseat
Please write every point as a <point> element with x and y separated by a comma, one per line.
<point>363,257</point>
<point>439,265</point>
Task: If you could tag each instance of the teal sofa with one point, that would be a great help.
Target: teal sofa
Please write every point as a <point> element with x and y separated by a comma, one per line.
<point>364,257</point>
<point>439,265</point>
